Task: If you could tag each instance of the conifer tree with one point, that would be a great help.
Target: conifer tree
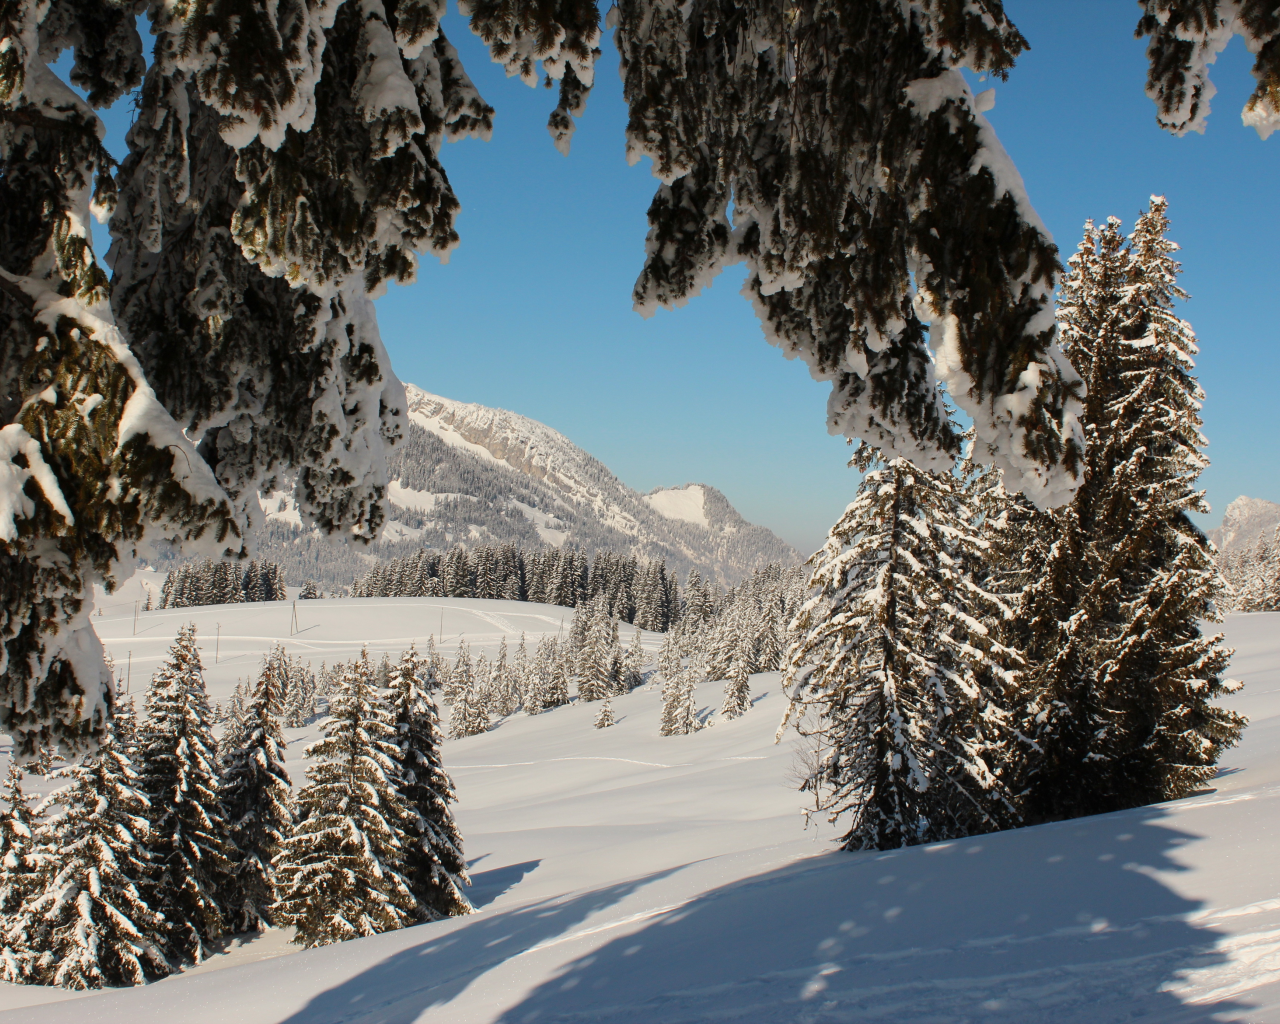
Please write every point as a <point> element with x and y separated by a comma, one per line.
<point>256,793</point>
<point>189,843</point>
<point>604,718</point>
<point>737,691</point>
<point>679,703</point>
<point>434,867</point>
<point>895,668</point>
<point>19,873</point>
<point>87,922</point>
<point>1121,675</point>
<point>470,714</point>
<point>339,874</point>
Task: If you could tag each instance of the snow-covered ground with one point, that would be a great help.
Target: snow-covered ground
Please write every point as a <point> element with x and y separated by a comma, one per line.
<point>625,877</point>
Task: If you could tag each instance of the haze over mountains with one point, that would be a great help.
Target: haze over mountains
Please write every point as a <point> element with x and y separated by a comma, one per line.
<point>469,474</point>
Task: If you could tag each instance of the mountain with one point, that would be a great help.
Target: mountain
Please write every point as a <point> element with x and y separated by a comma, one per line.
<point>469,474</point>
<point>1245,522</point>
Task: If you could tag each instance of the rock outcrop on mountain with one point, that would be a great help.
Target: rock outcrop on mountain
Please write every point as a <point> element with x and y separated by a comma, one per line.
<point>1245,522</point>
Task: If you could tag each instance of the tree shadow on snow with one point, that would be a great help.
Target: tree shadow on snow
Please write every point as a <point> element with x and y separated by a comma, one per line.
<point>487,886</point>
<point>1057,924</point>
<point>434,970</point>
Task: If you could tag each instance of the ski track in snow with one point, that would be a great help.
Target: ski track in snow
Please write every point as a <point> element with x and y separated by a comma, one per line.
<point>612,889</point>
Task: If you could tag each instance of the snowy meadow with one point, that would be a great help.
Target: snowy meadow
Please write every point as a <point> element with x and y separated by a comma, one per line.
<point>623,876</point>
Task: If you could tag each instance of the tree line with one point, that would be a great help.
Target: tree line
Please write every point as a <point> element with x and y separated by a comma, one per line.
<point>643,593</point>
<point>1253,576</point>
<point>221,582</point>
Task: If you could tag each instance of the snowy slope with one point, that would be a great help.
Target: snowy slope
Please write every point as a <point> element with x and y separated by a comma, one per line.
<point>1245,522</point>
<point>688,503</point>
<point>624,877</point>
<point>543,474</point>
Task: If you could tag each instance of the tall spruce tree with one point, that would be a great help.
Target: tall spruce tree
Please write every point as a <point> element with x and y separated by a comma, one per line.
<point>1122,677</point>
<point>87,923</point>
<point>433,867</point>
<point>895,670</point>
<point>189,840</point>
<point>256,793</point>
<point>339,874</point>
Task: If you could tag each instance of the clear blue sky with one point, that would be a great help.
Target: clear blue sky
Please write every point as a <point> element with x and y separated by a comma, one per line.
<point>533,312</point>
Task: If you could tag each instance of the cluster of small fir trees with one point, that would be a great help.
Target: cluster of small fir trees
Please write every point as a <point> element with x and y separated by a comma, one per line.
<point>729,637</point>
<point>1252,576</point>
<point>588,663</point>
<point>162,844</point>
<point>643,593</point>
<point>966,662</point>
<point>223,582</point>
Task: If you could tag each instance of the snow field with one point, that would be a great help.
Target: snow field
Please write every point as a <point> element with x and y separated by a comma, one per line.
<point>625,877</point>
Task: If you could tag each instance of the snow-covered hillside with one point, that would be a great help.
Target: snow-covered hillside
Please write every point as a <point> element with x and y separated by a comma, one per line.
<point>469,474</point>
<point>625,877</point>
<point>508,467</point>
<point>1244,523</point>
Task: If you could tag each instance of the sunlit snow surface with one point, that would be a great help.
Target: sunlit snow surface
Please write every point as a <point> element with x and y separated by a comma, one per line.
<point>685,503</point>
<point>624,877</point>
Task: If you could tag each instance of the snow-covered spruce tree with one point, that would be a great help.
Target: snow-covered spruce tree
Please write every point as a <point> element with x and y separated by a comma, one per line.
<point>1186,36</point>
<point>20,865</point>
<point>88,922</point>
<point>895,664</point>
<point>338,875</point>
<point>18,861</point>
<point>679,703</point>
<point>1122,677</point>
<point>283,169</point>
<point>737,690</point>
<point>433,864</point>
<point>93,471</point>
<point>189,842</point>
<point>256,794</point>
<point>605,717</point>
<point>470,713</point>
<point>853,155</point>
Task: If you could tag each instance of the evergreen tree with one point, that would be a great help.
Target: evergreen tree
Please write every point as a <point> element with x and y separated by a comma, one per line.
<point>470,715</point>
<point>86,923</point>
<point>190,849</point>
<point>20,866</point>
<point>259,803</point>
<point>737,691</point>
<point>339,874</point>
<point>433,866</point>
<point>679,703</point>
<point>1121,675</point>
<point>605,717</point>
<point>310,591</point>
<point>1187,36</point>
<point>896,664</point>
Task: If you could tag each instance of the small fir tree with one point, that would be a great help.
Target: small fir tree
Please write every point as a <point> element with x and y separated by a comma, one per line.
<point>605,718</point>
<point>87,923</point>
<point>259,802</point>
<point>433,867</point>
<point>189,842</point>
<point>339,874</point>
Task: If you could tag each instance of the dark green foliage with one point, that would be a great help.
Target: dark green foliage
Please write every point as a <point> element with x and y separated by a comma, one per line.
<point>191,853</point>
<point>258,801</point>
<point>870,201</point>
<point>1121,679</point>
<point>433,865</point>
<point>1186,37</point>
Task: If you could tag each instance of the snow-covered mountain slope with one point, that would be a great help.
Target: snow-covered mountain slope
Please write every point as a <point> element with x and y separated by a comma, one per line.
<point>1245,522</point>
<point>626,878</point>
<point>507,477</point>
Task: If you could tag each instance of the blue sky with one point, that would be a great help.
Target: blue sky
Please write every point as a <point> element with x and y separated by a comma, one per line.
<point>533,312</point>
